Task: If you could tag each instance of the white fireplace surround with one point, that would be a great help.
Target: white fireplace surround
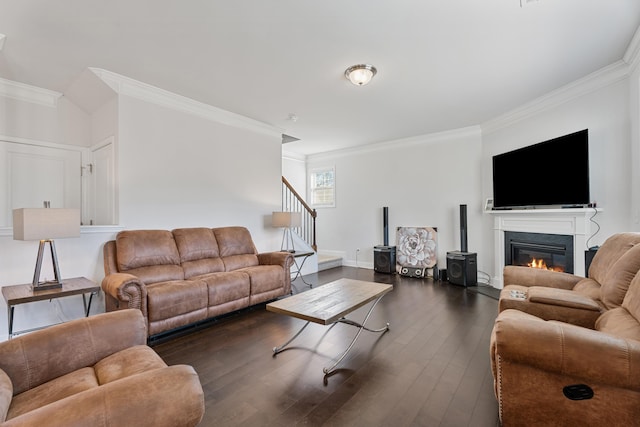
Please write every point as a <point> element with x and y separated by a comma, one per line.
<point>572,222</point>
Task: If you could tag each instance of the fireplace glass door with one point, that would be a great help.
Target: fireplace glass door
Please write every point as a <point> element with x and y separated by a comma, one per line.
<point>539,250</point>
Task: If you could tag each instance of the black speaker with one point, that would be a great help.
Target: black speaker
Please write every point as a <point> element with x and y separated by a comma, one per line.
<point>588,257</point>
<point>462,268</point>
<point>384,259</point>
<point>413,272</point>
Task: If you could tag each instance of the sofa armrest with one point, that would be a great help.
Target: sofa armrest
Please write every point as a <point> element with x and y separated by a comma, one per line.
<point>33,359</point>
<point>566,350</point>
<point>128,289</point>
<point>551,304</point>
<point>166,397</point>
<point>284,259</point>
<point>526,276</point>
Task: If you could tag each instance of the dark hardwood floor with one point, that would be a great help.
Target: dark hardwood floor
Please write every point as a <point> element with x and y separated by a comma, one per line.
<point>430,369</point>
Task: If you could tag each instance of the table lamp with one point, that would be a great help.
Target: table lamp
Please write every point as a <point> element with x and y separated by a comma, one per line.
<point>46,224</point>
<point>286,220</point>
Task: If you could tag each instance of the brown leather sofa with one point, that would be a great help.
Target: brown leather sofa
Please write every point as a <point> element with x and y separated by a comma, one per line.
<point>577,300</point>
<point>95,371</point>
<point>181,277</point>
<point>554,373</point>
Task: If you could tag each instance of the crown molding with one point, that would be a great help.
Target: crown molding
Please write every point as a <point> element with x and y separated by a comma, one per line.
<point>28,93</point>
<point>597,80</point>
<point>449,135</point>
<point>632,55</point>
<point>296,157</point>
<point>127,86</point>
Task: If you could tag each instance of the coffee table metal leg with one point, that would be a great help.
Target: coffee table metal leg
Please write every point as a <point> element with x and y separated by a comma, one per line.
<point>361,327</point>
<point>278,349</point>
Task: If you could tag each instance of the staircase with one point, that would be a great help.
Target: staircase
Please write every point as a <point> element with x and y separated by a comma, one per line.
<point>293,202</point>
<point>326,262</point>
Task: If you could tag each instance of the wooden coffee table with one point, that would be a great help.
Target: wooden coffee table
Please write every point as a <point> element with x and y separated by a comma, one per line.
<point>328,304</point>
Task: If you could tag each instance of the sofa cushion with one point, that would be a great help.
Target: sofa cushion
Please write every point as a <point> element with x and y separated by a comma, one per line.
<point>6,394</point>
<point>196,243</point>
<point>620,323</point>
<point>125,363</point>
<point>146,248</point>
<point>52,391</point>
<point>616,282</point>
<point>265,278</point>
<point>236,247</point>
<point>589,288</point>
<point>173,298</point>
<point>158,273</point>
<point>227,286</point>
<point>198,250</point>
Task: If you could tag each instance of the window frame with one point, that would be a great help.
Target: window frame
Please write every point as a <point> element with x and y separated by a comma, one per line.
<point>313,188</point>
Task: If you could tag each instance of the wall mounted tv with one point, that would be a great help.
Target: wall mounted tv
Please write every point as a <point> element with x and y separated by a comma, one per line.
<point>552,173</point>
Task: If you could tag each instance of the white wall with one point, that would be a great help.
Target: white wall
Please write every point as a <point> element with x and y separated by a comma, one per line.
<point>605,112</point>
<point>422,180</point>
<point>634,117</point>
<point>180,170</point>
<point>294,170</point>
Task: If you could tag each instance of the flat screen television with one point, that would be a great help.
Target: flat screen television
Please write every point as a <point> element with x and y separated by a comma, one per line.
<point>551,173</point>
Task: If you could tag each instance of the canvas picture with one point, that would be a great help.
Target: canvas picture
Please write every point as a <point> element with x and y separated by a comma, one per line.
<point>416,247</point>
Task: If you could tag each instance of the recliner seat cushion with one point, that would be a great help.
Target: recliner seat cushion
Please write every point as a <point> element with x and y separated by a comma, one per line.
<point>225,287</point>
<point>130,361</point>
<point>52,391</point>
<point>174,298</point>
<point>265,278</point>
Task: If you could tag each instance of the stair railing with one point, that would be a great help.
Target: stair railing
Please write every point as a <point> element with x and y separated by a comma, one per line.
<point>293,202</point>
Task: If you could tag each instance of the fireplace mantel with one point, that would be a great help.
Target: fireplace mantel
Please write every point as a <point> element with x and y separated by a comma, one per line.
<point>573,222</point>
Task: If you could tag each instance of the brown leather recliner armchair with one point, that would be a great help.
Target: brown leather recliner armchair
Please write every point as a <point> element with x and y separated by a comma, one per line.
<point>557,374</point>
<point>568,298</point>
<point>95,371</point>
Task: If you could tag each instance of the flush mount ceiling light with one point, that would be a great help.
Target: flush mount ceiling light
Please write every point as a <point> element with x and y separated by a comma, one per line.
<point>360,74</point>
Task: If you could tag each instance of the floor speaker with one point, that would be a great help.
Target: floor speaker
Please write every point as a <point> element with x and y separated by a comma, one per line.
<point>384,259</point>
<point>462,268</point>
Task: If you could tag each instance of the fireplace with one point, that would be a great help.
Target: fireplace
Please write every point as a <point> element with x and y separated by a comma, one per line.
<point>539,250</point>
<point>568,222</point>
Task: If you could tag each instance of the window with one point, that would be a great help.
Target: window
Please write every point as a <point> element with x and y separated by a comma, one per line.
<point>322,184</point>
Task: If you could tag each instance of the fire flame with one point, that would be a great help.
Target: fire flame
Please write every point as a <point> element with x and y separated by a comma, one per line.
<point>538,263</point>
<point>541,264</point>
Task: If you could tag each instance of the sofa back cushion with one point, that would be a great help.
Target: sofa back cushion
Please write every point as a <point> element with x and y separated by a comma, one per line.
<point>624,321</point>
<point>198,250</point>
<point>236,247</point>
<point>151,255</point>
<point>614,267</point>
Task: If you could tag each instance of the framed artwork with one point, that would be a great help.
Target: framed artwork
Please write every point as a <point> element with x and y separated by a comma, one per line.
<point>416,247</point>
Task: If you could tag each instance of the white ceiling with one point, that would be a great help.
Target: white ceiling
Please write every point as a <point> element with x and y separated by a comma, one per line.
<point>442,64</point>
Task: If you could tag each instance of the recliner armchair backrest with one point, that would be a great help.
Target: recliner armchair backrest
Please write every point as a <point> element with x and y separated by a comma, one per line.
<point>614,267</point>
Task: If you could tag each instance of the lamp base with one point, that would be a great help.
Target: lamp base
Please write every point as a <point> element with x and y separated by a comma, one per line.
<point>46,286</point>
<point>36,284</point>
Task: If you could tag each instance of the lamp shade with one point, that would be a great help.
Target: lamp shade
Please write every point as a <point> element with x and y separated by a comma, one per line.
<point>286,219</point>
<point>45,223</point>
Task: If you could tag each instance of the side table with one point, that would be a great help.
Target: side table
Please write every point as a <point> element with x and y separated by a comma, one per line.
<point>23,294</point>
<point>298,271</point>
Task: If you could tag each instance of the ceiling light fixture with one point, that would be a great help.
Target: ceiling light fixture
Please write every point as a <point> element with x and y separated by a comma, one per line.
<point>360,74</point>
